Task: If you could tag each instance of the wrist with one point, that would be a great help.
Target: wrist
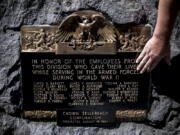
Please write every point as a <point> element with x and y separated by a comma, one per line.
<point>161,37</point>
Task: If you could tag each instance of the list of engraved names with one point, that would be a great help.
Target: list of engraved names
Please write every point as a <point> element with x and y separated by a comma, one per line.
<point>85,81</point>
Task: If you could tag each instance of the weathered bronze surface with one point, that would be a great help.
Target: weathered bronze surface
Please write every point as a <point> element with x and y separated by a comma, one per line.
<point>131,114</point>
<point>79,33</point>
<point>133,39</point>
<point>38,38</point>
<point>84,32</point>
<point>38,114</point>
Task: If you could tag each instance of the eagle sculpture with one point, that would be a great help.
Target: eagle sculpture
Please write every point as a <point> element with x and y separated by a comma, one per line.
<point>85,26</point>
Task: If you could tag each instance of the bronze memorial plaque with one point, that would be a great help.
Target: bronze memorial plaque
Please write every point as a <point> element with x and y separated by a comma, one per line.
<point>83,72</point>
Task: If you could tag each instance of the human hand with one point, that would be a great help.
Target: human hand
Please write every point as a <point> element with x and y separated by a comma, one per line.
<point>155,50</point>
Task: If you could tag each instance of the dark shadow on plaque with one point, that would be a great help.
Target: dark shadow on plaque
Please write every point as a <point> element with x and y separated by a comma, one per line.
<point>165,78</point>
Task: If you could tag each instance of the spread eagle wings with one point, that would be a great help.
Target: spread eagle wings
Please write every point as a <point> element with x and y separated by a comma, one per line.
<point>103,28</point>
<point>69,28</point>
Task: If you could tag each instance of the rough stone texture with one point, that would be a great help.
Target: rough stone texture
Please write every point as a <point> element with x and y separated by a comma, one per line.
<point>163,116</point>
<point>16,126</point>
<point>10,72</point>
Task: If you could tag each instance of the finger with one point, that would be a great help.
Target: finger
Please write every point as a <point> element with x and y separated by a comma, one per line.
<point>149,69</point>
<point>142,63</point>
<point>140,57</point>
<point>167,59</point>
<point>146,66</point>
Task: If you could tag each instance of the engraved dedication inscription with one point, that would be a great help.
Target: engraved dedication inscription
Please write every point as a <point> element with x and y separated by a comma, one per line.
<point>83,72</point>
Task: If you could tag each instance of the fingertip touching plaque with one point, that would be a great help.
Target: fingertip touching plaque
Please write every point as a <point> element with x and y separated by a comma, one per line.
<point>85,70</point>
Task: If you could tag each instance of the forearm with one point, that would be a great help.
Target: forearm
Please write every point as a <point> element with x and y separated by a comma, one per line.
<point>168,10</point>
<point>157,48</point>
